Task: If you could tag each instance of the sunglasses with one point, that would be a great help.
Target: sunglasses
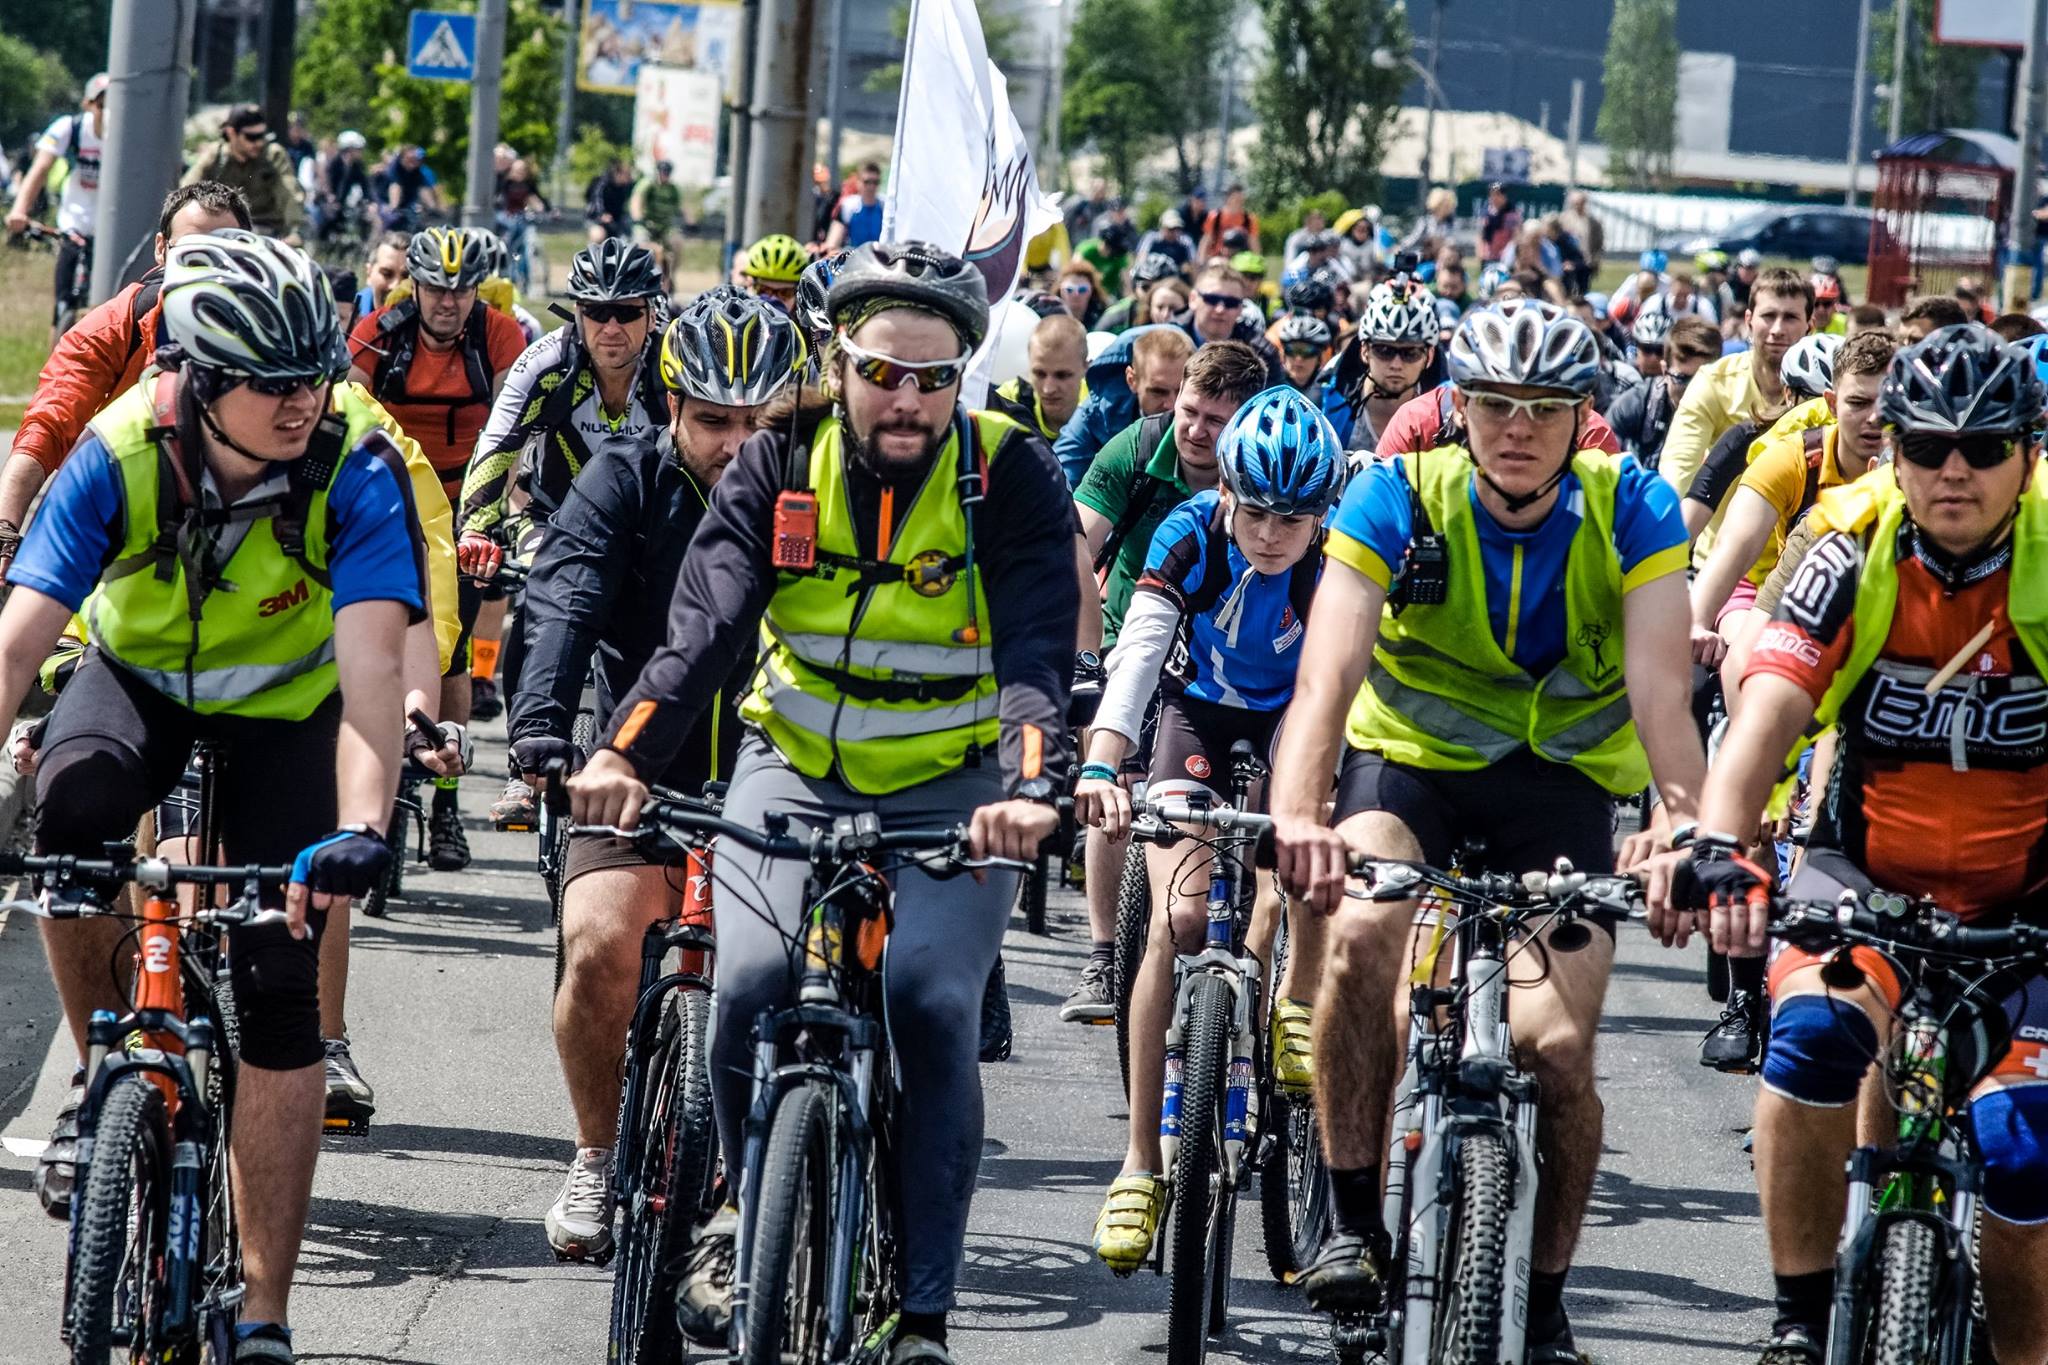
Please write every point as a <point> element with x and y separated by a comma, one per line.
<point>1220,300</point>
<point>1678,381</point>
<point>602,313</point>
<point>1930,449</point>
<point>1386,350</point>
<point>255,134</point>
<point>283,386</point>
<point>773,289</point>
<point>1075,287</point>
<point>891,374</point>
<point>1304,350</point>
<point>1498,407</point>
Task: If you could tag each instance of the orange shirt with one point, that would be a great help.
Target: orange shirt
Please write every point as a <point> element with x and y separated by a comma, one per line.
<point>437,408</point>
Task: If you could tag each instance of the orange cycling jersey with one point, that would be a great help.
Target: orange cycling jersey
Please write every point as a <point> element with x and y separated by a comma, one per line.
<point>436,400</point>
<point>1941,794</point>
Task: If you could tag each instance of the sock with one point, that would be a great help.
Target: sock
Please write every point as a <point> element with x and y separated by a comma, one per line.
<point>483,658</point>
<point>1805,1301</point>
<point>1355,1201</point>
<point>1546,1306</point>
<point>930,1326</point>
<point>1746,973</point>
<point>445,796</point>
<point>1102,950</point>
<point>245,1330</point>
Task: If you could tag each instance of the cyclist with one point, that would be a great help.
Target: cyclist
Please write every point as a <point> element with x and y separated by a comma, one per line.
<point>1126,312</point>
<point>77,138</point>
<point>1641,413</point>
<point>248,159</point>
<point>572,392</point>
<point>1828,316</point>
<point>1807,373</point>
<point>659,221</point>
<point>897,739</point>
<point>498,291</point>
<point>1393,353</point>
<point>436,361</point>
<point>774,265</point>
<point>100,357</point>
<point>1227,585</point>
<point>1219,313</point>
<point>603,580</point>
<point>1043,402</point>
<point>1939,789</point>
<point>1136,375</point>
<point>1305,341</point>
<point>292,690</point>
<point>1515,712</point>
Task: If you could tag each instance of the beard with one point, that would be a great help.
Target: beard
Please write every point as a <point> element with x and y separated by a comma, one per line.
<point>863,449</point>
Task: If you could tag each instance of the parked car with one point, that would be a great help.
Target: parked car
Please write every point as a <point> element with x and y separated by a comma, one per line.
<point>1795,231</point>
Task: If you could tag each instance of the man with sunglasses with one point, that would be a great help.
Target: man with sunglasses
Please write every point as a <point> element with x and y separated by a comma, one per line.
<point>953,529</point>
<point>1534,651</point>
<point>1218,313</point>
<point>1641,413</point>
<point>298,673</point>
<point>576,390</point>
<point>1371,379</point>
<point>77,140</point>
<point>246,159</point>
<point>1914,627</point>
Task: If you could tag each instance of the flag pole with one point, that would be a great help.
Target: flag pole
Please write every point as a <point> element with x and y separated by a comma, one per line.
<point>896,139</point>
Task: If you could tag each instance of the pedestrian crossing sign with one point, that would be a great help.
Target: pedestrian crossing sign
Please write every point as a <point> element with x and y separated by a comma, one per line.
<point>441,46</point>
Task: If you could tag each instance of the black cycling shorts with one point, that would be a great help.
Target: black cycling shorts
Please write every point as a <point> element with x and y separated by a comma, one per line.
<point>1529,811</point>
<point>1191,750</point>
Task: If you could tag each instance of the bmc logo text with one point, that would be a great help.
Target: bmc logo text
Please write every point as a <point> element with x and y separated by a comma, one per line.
<point>292,597</point>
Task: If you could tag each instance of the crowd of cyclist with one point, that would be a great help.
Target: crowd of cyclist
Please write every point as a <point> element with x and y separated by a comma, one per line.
<point>1459,564</point>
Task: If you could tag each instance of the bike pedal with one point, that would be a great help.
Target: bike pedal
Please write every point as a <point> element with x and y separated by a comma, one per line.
<point>517,827</point>
<point>345,1125</point>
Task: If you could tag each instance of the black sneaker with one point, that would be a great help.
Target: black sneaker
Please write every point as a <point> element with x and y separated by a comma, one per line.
<point>1559,1349</point>
<point>350,1100</point>
<point>1791,1346</point>
<point>484,701</point>
<point>1092,1001</point>
<point>57,1166</point>
<point>996,1036</point>
<point>269,1343</point>
<point>1345,1276</point>
<point>447,845</point>
<point>1734,1044</point>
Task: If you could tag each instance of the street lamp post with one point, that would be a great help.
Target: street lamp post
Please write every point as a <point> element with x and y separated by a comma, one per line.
<point>1433,95</point>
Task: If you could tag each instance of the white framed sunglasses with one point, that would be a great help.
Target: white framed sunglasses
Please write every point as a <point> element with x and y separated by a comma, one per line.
<point>1498,407</point>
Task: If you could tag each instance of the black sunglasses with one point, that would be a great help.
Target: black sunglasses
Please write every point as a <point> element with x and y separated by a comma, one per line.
<point>1385,350</point>
<point>1302,350</point>
<point>1220,300</point>
<point>1930,449</point>
<point>601,313</point>
<point>284,386</point>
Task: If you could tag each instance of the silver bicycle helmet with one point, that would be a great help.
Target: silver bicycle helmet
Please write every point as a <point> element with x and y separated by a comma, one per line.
<point>811,288</point>
<point>1962,380</point>
<point>1526,343</point>
<point>1399,315</point>
<point>731,348</point>
<point>612,271</point>
<point>918,274</point>
<point>448,258</point>
<point>1304,327</point>
<point>251,306</point>
<point>1653,325</point>
<point>1808,368</point>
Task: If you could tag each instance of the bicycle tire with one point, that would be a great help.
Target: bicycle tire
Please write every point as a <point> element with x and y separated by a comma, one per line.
<point>126,1204</point>
<point>1204,1070</point>
<point>1472,1279</point>
<point>1293,1189</point>
<point>654,1220</point>
<point>1133,925</point>
<point>792,1231</point>
<point>1906,1268</point>
<point>1031,891</point>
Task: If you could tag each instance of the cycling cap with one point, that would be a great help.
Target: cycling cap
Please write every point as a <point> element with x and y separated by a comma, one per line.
<point>811,288</point>
<point>1653,261</point>
<point>1808,368</point>
<point>1525,342</point>
<point>1652,326</point>
<point>250,305</point>
<point>611,270</point>
<point>731,348</point>
<point>1826,289</point>
<point>1304,327</point>
<point>1960,381</point>
<point>97,87</point>
<point>1312,295</point>
<point>1711,259</point>
<point>1281,455</point>
<point>1156,266</point>
<point>1394,315</point>
<point>777,258</point>
<point>914,275</point>
<point>448,258</point>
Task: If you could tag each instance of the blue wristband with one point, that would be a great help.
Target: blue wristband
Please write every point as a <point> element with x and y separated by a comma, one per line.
<point>1100,772</point>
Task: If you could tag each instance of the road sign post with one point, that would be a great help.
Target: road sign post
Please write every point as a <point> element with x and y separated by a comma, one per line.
<point>441,46</point>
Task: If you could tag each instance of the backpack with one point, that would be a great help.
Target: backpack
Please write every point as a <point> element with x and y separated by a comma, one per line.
<point>1215,580</point>
<point>1151,431</point>
<point>140,307</point>
<point>398,331</point>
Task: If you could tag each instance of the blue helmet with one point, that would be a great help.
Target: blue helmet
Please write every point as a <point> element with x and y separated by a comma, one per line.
<point>1653,261</point>
<point>1281,455</point>
<point>2037,347</point>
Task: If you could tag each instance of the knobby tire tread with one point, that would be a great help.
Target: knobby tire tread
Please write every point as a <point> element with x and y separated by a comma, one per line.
<point>1133,924</point>
<point>1906,1291</point>
<point>1205,1065</point>
<point>797,1162</point>
<point>1472,1291</point>
<point>131,1120</point>
<point>641,1333</point>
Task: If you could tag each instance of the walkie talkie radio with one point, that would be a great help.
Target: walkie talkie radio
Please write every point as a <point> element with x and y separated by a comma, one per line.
<point>796,531</point>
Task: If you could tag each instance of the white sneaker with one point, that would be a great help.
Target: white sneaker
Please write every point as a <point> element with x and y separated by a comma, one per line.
<point>579,1225</point>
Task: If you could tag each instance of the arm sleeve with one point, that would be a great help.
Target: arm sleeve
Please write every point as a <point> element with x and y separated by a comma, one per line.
<point>69,539</point>
<point>506,430</point>
<point>82,375</point>
<point>1034,605</point>
<point>725,585</point>
<point>378,553</point>
<point>1142,647</point>
<point>1723,466</point>
<point>576,577</point>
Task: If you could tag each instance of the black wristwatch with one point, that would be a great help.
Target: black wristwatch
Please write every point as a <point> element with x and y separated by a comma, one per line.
<point>1039,789</point>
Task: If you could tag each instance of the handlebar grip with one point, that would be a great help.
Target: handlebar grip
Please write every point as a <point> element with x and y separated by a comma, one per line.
<point>555,792</point>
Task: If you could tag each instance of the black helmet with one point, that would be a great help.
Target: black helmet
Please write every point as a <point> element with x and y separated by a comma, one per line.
<point>811,289</point>
<point>1156,266</point>
<point>1962,380</point>
<point>732,348</point>
<point>1312,295</point>
<point>915,273</point>
<point>1117,235</point>
<point>1236,240</point>
<point>611,270</point>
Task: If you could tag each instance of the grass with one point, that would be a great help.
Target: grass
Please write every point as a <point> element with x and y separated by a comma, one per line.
<point>25,297</point>
<point>1615,269</point>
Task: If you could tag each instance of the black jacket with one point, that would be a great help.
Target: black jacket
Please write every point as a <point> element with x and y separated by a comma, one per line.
<point>603,582</point>
<point>1641,417</point>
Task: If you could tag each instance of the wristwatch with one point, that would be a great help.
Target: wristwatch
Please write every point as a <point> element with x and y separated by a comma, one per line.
<point>1037,789</point>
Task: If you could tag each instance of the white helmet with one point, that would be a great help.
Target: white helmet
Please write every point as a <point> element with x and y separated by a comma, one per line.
<point>1808,368</point>
<point>350,140</point>
<point>251,306</point>
<point>1525,342</point>
<point>1392,315</point>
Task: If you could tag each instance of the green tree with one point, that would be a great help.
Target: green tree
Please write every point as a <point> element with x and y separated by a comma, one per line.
<point>1940,89</point>
<point>1191,39</point>
<point>1639,99</point>
<point>75,30</point>
<point>1000,30</point>
<point>1114,95</point>
<point>1323,112</point>
<point>35,87</point>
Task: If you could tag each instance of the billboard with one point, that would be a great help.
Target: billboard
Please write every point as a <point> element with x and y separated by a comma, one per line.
<point>675,119</point>
<point>619,35</point>
<point>1982,23</point>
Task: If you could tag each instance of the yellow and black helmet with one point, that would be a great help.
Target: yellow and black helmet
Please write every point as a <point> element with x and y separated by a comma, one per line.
<point>777,258</point>
<point>448,258</point>
<point>731,348</point>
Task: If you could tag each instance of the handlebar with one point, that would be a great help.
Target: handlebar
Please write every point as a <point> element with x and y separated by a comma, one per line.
<point>847,839</point>
<point>1895,924</point>
<point>43,232</point>
<point>105,875</point>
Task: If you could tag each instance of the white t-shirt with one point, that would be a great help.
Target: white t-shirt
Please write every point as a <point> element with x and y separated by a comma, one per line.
<point>78,208</point>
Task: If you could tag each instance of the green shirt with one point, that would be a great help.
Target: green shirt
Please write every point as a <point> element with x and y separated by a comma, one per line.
<point>1119,473</point>
<point>661,204</point>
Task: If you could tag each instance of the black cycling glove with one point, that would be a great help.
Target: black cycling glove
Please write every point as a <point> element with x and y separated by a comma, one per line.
<point>533,754</point>
<point>349,862</point>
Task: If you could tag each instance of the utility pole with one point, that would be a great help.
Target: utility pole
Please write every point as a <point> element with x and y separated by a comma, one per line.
<point>1856,100</point>
<point>479,201</point>
<point>1571,136</point>
<point>1902,16</point>
<point>149,57</point>
<point>1429,102</point>
<point>2033,94</point>
<point>565,117</point>
<point>278,34</point>
<point>1226,114</point>
<point>778,143</point>
<point>835,78</point>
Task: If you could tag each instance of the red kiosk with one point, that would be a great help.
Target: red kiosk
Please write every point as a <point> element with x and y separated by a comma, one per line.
<point>1942,202</point>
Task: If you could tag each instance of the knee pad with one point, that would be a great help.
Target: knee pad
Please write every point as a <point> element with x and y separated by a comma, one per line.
<point>277,996</point>
<point>1820,1048</point>
<point>2011,1125</point>
<point>87,792</point>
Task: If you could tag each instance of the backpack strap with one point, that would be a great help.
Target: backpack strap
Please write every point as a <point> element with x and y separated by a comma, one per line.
<point>1815,441</point>
<point>1215,580</point>
<point>1151,431</point>
<point>141,306</point>
<point>398,333</point>
<point>476,333</point>
<point>311,473</point>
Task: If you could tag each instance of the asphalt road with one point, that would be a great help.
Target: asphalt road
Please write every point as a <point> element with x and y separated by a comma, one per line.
<point>425,1245</point>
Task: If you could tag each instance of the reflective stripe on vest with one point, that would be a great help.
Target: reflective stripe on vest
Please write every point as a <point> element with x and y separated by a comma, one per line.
<point>822,644</point>
<point>1443,694</point>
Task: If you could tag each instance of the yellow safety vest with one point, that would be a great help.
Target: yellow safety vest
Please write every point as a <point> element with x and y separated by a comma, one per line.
<point>877,671</point>
<point>1443,694</point>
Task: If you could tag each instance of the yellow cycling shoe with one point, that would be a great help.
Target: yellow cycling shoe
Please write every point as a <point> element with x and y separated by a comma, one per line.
<point>1294,1058</point>
<point>1129,1221</point>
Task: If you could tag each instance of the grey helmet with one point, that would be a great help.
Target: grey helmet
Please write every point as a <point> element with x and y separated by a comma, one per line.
<point>1399,315</point>
<point>1653,325</point>
<point>448,258</point>
<point>811,288</point>
<point>249,305</point>
<point>1960,381</point>
<point>1304,327</point>
<point>1808,368</point>
<point>731,348</point>
<point>1153,267</point>
<point>1525,342</point>
<point>497,258</point>
<point>612,271</point>
<point>919,274</point>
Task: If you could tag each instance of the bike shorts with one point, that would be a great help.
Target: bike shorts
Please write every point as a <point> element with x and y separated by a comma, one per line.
<point>115,747</point>
<point>1528,811</point>
<point>1191,749</point>
<point>1743,598</point>
<point>599,852</point>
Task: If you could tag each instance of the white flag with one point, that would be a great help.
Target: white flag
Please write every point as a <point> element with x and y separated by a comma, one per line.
<point>961,173</point>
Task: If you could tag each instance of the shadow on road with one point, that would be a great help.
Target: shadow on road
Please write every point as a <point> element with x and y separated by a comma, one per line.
<point>1620,1202</point>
